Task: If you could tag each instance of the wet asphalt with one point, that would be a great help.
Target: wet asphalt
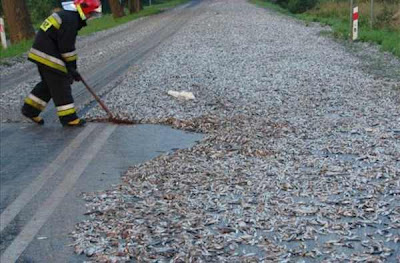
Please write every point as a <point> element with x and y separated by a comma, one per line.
<point>27,150</point>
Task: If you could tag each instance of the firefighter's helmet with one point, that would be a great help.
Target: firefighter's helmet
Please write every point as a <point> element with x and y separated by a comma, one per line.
<point>85,8</point>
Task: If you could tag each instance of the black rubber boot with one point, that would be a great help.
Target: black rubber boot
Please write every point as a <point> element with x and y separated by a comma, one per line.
<point>35,119</point>
<point>75,123</point>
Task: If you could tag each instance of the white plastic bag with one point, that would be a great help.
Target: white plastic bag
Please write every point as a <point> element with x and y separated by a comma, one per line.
<point>183,95</point>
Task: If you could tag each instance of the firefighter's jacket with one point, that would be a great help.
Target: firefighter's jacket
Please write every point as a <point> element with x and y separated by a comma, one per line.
<point>54,45</point>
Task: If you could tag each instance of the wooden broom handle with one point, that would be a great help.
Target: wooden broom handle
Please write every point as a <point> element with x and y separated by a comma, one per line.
<point>97,98</point>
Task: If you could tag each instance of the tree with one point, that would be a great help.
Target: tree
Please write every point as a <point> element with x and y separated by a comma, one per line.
<point>105,6</point>
<point>41,9</point>
<point>134,6</point>
<point>116,8</point>
<point>18,20</point>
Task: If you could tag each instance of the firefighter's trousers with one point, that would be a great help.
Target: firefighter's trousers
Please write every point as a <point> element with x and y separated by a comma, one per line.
<point>54,86</point>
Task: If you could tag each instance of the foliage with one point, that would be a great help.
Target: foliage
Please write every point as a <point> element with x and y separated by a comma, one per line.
<point>296,6</point>
<point>282,3</point>
<point>105,22</point>
<point>335,13</point>
<point>385,17</point>
<point>301,6</point>
<point>40,9</point>
<point>384,12</point>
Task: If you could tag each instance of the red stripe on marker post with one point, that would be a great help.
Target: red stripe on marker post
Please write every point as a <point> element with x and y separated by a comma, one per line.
<point>355,23</point>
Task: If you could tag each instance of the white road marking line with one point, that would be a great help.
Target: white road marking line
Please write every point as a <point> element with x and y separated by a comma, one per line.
<point>29,192</point>
<point>14,251</point>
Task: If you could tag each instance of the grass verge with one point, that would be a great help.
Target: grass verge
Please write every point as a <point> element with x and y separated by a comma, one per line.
<point>387,38</point>
<point>16,49</point>
<point>103,23</point>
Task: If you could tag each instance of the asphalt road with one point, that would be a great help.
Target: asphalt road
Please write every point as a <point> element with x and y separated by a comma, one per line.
<point>44,169</point>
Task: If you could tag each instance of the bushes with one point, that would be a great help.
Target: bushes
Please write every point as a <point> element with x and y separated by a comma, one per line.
<point>385,17</point>
<point>296,6</point>
<point>40,9</point>
<point>282,3</point>
<point>300,6</point>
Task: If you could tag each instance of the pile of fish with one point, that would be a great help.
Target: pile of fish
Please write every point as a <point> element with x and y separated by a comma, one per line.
<point>300,163</point>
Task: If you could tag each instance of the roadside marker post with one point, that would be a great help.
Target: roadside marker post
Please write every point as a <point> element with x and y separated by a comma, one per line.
<point>3,33</point>
<point>355,23</point>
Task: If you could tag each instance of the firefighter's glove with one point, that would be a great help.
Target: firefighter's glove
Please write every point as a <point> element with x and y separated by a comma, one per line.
<point>75,75</point>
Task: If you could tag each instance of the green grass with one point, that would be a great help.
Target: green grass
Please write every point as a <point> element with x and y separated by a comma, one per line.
<point>16,49</point>
<point>388,39</point>
<point>271,6</point>
<point>95,25</point>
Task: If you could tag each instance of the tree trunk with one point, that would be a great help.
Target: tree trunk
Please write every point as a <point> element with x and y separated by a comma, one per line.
<point>116,8</point>
<point>18,20</point>
<point>138,5</point>
<point>135,6</point>
<point>131,7</point>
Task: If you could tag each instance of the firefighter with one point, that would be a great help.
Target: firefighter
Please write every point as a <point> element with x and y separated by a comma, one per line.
<point>54,53</point>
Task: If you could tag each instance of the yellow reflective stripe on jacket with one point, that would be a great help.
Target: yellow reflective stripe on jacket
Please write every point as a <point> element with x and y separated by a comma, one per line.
<point>63,113</point>
<point>80,11</point>
<point>34,104</point>
<point>53,20</point>
<point>47,62</point>
<point>47,56</point>
<point>57,17</point>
